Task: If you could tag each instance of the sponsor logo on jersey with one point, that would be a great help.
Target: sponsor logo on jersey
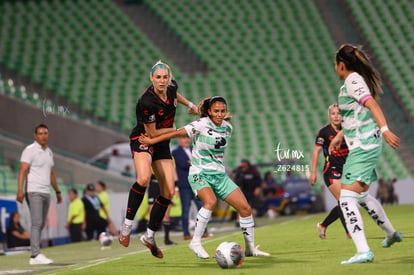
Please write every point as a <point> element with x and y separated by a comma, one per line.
<point>359,91</point>
<point>336,174</point>
<point>151,118</point>
<point>320,140</point>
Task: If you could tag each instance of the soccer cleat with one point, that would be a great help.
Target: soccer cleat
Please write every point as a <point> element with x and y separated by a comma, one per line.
<point>198,249</point>
<point>169,242</point>
<point>366,257</point>
<point>396,237</point>
<point>125,234</point>
<point>150,243</point>
<point>321,230</point>
<point>206,235</point>
<point>255,252</point>
<point>187,238</point>
<point>40,259</point>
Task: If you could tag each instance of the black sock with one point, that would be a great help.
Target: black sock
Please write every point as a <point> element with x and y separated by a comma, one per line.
<point>136,194</point>
<point>157,213</point>
<point>167,228</point>
<point>332,216</point>
<point>342,218</point>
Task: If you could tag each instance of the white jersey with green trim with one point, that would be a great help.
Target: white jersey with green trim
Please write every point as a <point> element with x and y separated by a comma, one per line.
<point>209,143</point>
<point>359,127</point>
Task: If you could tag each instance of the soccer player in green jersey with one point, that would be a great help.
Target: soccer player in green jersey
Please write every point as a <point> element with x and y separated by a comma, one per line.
<point>210,135</point>
<point>363,127</point>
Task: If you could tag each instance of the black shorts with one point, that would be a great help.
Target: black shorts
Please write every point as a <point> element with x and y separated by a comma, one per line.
<point>153,190</point>
<point>158,151</point>
<point>332,173</point>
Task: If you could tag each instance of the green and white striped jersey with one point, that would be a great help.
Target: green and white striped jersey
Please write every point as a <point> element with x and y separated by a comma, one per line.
<point>209,143</point>
<point>359,127</point>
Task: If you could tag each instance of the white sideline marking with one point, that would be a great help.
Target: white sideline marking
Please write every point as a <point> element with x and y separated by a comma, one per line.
<point>14,271</point>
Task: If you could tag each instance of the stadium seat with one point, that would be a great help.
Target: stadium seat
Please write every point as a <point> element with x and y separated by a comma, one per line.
<point>100,60</point>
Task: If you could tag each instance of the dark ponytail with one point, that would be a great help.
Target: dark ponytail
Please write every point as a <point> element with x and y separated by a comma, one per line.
<point>356,60</point>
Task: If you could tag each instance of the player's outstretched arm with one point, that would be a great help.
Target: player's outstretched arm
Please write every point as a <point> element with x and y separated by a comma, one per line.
<point>152,131</point>
<point>150,141</point>
<point>336,142</point>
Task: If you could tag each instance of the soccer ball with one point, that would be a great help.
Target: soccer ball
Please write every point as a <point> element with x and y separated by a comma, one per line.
<point>105,239</point>
<point>229,254</point>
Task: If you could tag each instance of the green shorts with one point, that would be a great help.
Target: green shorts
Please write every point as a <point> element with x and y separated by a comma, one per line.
<point>220,183</point>
<point>360,166</point>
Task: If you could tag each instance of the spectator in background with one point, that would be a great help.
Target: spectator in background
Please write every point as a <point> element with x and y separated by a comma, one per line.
<point>17,236</point>
<point>269,185</point>
<point>247,177</point>
<point>127,171</point>
<point>393,197</point>
<point>76,216</point>
<point>92,204</point>
<point>385,191</point>
<point>36,167</point>
<point>382,191</point>
<point>182,157</point>
<point>103,196</point>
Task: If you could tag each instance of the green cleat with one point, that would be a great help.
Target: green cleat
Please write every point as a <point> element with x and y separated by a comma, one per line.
<point>366,257</point>
<point>396,237</point>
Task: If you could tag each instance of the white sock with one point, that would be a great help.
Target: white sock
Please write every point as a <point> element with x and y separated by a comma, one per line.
<point>354,223</point>
<point>247,227</point>
<point>150,233</point>
<point>377,213</point>
<point>203,216</point>
<point>128,222</point>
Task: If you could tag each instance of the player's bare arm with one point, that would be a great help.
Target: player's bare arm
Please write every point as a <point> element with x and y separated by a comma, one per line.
<point>192,109</point>
<point>150,141</point>
<point>392,139</point>
<point>152,131</point>
<point>336,142</point>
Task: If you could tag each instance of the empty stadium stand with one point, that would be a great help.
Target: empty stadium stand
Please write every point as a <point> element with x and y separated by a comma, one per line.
<point>272,60</point>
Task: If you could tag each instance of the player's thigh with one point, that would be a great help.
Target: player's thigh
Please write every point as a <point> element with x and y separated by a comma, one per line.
<point>208,197</point>
<point>142,163</point>
<point>239,202</point>
<point>164,171</point>
<point>335,188</point>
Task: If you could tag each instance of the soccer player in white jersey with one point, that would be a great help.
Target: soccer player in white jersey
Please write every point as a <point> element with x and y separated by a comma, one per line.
<point>210,135</point>
<point>364,127</point>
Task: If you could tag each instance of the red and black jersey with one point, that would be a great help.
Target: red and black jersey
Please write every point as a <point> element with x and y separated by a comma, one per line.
<point>151,108</point>
<point>337,159</point>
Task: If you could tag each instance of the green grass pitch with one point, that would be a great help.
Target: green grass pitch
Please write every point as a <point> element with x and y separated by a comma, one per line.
<point>292,241</point>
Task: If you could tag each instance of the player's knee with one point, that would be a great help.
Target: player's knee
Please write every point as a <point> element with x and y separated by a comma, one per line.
<point>245,210</point>
<point>168,195</point>
<point>143,180</point>
<point>210,203</point>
